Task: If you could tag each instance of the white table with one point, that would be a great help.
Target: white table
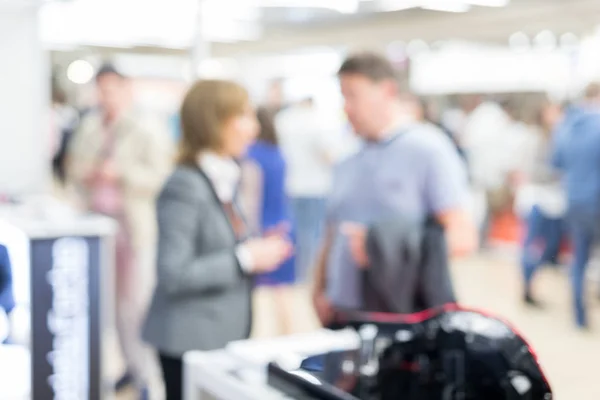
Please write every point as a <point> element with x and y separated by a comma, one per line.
<point>218,375</point>
<point>15,373</point>
<point>239,372</point>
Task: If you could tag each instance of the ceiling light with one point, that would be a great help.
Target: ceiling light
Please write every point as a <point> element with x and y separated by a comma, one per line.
<point>341,6</point>
<point>545,40</point>
<point>433,5</point>
<point>446,6</point>
<point>219,24</point>
<point>488,3</point>
<point>398,5</point>
<point>80,72</point>
<point>569,40</point>
<point>519,42</point>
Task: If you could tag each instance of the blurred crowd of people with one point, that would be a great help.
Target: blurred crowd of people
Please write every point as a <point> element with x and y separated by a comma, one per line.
<point>285,194</point>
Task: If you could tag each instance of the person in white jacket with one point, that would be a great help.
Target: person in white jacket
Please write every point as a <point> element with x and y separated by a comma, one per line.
<point>311,144</point>
<point>484,140</point>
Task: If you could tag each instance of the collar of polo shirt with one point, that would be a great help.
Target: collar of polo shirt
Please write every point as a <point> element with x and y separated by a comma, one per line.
<point>398,124</point>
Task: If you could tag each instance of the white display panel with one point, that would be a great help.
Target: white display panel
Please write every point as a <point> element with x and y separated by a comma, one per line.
<point>490,70</point>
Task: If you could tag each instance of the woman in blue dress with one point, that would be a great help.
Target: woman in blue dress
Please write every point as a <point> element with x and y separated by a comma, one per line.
<point>263,190</point>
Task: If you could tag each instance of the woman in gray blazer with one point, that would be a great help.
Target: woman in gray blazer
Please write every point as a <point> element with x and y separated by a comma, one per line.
<point>206,258</point>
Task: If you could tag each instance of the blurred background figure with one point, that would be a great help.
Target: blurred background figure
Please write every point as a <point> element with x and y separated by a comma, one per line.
<point>522,141</point>
<point>270,211</point>
<point>118,161</point>
<point>427,111</point>
<point>485,140</point>
<point>64,121</point>
<point>576,154</point>
<point>310,144</point>
<point>275,97</point>
<point>541,202</point>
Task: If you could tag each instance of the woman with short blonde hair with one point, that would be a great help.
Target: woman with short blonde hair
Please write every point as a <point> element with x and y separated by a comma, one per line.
<point>206,259</point>
<point>208,105</point>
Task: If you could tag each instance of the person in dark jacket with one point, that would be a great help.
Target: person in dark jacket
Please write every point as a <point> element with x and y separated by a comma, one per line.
<point>206,256</point>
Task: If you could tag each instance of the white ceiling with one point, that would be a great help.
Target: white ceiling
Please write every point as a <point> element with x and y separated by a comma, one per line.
<point>488,25</point>
<point>175,23</point>
<point>238,31</point>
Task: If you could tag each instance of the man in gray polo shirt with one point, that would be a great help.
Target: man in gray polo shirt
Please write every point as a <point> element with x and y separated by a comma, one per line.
<point>404,167</point>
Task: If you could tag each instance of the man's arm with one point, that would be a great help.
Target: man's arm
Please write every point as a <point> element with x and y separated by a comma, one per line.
<point>446,194</point>
<point>461,233</point>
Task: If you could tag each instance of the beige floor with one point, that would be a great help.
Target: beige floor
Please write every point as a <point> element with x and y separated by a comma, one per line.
<point>571,358</point>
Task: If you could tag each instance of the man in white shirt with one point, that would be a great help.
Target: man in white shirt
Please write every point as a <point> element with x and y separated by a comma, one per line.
<point>310,143</point>
<point>489,142</point>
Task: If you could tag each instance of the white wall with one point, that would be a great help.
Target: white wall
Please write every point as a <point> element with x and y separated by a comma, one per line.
<point>310,72</point>
<point>490,70</point>
<point>24,102</point>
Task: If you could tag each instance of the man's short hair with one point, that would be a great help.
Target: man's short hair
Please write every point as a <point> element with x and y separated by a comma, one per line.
<point>592,91</point>
<point>374,66</point>
<point>108,69</point>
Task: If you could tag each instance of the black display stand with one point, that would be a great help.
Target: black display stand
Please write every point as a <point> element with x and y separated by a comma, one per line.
<point>65,291</point>
<point>71,263</point>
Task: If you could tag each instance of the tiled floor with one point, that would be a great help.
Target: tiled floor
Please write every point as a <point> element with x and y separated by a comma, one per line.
<point>571,358</point>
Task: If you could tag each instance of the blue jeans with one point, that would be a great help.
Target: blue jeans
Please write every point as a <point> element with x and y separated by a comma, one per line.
<point>309,217</point>
<point>541,243</point>
<point>584,224</point>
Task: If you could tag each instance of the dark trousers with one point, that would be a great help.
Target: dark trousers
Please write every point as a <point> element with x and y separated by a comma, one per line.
<point>584,224</point>
<point>172,369</point>
<point>541,244</point>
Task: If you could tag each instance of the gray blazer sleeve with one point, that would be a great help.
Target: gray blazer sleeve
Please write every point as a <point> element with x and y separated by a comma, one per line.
<point>180,270</point>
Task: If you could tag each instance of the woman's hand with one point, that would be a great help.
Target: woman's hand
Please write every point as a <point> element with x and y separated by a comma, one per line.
<point>269,252</point>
